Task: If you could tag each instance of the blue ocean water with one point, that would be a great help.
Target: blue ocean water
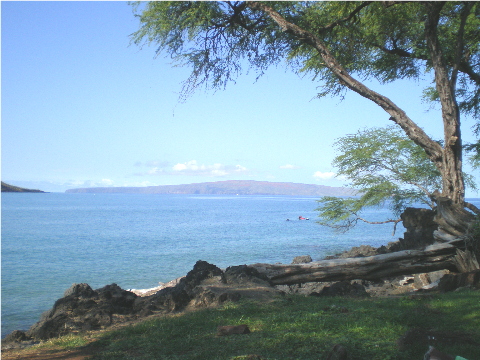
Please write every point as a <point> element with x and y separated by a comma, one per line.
<point>52,240</point>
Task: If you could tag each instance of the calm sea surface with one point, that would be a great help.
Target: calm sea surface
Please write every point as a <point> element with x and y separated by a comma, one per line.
<point>50,241</point>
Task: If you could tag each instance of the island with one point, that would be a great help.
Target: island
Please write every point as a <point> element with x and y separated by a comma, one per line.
<point>229,187</point>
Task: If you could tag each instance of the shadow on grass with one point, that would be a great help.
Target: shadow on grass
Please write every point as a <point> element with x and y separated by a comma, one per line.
<point>307,328</point>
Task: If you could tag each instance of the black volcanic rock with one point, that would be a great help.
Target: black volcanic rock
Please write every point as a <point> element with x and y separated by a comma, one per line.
<point>83,309</point>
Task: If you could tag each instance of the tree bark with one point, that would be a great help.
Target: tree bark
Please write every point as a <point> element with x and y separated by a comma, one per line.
<point>453,220</point>
<point>453,184</point>
<point>434,257</point>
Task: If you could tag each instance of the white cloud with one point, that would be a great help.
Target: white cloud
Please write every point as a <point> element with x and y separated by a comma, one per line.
<point>289,166</point>
<point>192,168</point>
<point>107,182</point>
<point>155,171</point>
<point>324,175</point>
<point>240,168</point>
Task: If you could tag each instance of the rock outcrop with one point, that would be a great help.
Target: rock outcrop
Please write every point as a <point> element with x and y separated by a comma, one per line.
<point>303,259</point>
<point>451,282</point>
<point>83,309</point>
<point>420,225</point>
<point>343,288</point>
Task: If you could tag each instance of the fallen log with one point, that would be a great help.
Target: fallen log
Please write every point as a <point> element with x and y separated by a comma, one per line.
<point>406,262</point>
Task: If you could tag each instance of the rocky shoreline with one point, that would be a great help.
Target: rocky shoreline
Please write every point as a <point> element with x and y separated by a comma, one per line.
<point>83,309</point>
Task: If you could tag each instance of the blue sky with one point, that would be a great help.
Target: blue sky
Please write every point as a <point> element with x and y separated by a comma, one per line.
<point>82,107</point>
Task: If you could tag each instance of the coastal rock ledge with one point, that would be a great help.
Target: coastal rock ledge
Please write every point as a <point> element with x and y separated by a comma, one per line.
<point>83,309</point>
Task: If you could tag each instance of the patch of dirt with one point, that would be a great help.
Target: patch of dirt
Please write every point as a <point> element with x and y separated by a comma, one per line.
<point>81,353</point>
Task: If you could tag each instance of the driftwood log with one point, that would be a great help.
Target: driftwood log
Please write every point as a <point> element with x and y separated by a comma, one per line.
<point>406,262</point>
<point>450,252</point>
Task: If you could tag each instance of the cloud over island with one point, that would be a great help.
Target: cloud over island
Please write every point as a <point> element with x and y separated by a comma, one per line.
<point>192,168</point>
<point>324,175</point>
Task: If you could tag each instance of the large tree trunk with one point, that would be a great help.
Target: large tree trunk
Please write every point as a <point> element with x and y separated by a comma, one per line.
<point>451,170</point>
<point>434,257</point>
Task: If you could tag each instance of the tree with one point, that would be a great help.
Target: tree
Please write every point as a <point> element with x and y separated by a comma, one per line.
<point>385,167</point>
<point>337,43</point>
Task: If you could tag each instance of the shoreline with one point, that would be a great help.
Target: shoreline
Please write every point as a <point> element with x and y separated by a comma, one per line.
<point>153,290</point>
<point>405,283</point>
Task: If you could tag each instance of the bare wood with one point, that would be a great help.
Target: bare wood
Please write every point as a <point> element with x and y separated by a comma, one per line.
<point>434,257</point>
<point>466,261</point>
<point>452,218</point>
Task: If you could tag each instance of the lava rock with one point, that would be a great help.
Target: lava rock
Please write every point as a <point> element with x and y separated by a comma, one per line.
<point>343,288</point>
<point>303,259</point>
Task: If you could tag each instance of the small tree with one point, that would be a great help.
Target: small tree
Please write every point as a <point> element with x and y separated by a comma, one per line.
<point>385,168</point>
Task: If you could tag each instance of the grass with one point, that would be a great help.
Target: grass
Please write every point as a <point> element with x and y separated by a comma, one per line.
<point>296,327</point>
<point>67,342</point>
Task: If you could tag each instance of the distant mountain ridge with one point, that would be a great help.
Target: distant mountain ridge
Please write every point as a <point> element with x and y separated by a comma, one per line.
<point>229,187</point>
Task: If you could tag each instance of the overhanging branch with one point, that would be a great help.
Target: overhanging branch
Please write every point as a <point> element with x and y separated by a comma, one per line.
<point>414,132</point>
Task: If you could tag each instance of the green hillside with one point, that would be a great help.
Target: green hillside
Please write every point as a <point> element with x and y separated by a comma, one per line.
<point>11,188</point>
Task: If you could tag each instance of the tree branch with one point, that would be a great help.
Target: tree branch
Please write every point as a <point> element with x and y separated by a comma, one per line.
<point>347,18</point>
<point>463,66</point>
<point>459,51</point>
<point>413,131</point>
<point>382,222</point>
<point>472,207</point>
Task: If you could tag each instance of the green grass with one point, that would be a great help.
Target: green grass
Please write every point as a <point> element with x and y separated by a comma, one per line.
<point>66,342</point>
<point>297,327</point>
<point>304,328</point>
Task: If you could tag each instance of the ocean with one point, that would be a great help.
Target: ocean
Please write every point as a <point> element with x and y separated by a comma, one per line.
<point>52,240</point>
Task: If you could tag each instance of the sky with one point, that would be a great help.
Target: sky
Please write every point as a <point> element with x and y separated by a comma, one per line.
<point>83,107</point>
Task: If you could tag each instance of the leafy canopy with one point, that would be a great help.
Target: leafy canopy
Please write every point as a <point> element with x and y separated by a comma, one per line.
<point>386,168</point>
<point>219,39</point>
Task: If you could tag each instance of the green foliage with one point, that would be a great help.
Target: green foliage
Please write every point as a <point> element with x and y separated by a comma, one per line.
<point>474,151</point>
<point>371,40</point>
<point>385,167</point>
<point>215,38</point>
